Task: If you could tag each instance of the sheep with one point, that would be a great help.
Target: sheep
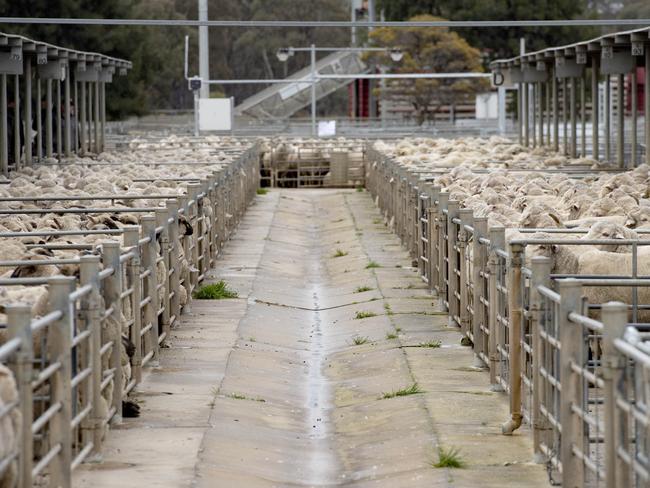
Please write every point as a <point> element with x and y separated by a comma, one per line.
<point>10,427</point>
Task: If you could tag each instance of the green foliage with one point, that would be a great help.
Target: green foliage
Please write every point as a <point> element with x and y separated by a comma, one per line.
<point>504,42</point>
<point>364,315</point>
<point>262,191</point>
<point>449,458</point>
<point>391,335</point>
<point>340,253</point>
<point>410,390</point>
<point>373,264</point>
<point>430,344</point>
<point>361,289</point>
<point>359,340</point>
<point>215,291</point>
<point>437,50</point>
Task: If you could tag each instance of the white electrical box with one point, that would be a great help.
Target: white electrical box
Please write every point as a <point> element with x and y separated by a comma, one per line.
<point>216,114</point>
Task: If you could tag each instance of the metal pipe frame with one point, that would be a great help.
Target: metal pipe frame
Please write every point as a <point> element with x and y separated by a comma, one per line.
<point>595,129</point>
<point>620,122</point>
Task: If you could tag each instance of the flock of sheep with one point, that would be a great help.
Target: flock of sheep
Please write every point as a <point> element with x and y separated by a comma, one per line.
<point>519,188</point>
<point>111,181</point>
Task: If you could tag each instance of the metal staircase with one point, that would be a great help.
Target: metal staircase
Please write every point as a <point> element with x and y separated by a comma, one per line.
<point>281,101</point>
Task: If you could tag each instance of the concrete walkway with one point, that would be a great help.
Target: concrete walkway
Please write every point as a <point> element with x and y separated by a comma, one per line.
<point>271,390</point>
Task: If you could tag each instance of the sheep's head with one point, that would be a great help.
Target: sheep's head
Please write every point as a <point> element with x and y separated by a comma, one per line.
<point>611,230</point>
<point>538,216</point>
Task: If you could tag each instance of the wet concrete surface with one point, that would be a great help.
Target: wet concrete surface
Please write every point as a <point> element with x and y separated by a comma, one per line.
<point>271,390</point>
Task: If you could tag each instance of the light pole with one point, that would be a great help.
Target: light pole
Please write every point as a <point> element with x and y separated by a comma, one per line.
<point>283,54</point>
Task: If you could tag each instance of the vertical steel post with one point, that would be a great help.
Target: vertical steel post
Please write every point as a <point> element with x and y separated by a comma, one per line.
<point>76,143</point>
<point>18,324</point>
<point>565,103</point>
<point>96,114</point>
<point>4,135</point>
<point>48,118</point>
<point>540,114</point>
<point>526,117</point>
<point>102,145</point>
<point>313,90</point>
<point>574,133</point>
<point>646,103</point>
<point>66,112</point>
<point>82,120</point>
<point>620,124</point>
<point>520,113</point>
<point>556,119</point>
<point>583,114</point>
<point>39,119</point>
<point>635,114</point>
<point>595,73</point>
<point>204,50</point>
<point>17,128</point>
<point>57,111</point>
<point>27,110</point>
<point>571,341</point>
<point>533,111</point>
<point>549,117</point>
<point>59,349</point>
<point>614,317</point>
<point>608,113</point>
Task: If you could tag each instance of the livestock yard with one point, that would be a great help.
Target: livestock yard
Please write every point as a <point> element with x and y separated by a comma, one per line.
<point>282,303</point>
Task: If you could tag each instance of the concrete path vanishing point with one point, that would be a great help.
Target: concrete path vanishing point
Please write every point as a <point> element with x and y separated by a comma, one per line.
<point>270,390</point>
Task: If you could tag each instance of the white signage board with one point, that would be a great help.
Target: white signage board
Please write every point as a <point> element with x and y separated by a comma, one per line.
<point>487,106</point>
<point>327,128</point>
<point>216,114</point>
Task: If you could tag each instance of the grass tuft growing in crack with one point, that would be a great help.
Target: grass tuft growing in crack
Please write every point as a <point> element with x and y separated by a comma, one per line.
<point>391,335</point>
<point>339,253</point>
<point>239,396</point>
<point>360,188</point>
<point>361,289</point>
<point>373,264</point>
<point>449,458</point>
<point>432,344</point>
<point>414,389</point>
<point>389,311</point>
<point>262,191</point>
<point>359,340</point>
<point>364,315</point>
<point>215,291</point>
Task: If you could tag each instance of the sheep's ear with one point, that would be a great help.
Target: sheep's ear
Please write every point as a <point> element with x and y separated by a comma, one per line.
<point>630,223</point>
<point>555,248</point>
<point>555,218</point>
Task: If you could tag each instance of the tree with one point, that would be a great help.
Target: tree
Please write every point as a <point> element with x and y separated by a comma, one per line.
<point>428,51</point>
<point>501,42</point>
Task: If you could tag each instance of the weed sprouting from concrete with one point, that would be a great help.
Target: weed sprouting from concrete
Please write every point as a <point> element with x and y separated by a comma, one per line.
<point>251,339</point>
<point>389,311</point>
<point>360,188</point>
<point>358,340</point>
<point>361,289</point>
<point>364,315</point>
<point>431,344</point>
<point>414,389</point>
<point>373,264</point>
<point>262,191</point>
<point>239,396</point>
<point>398,329</point>
<point>449,458</point>
<point>340,253</point>
<point>391,335</point>
<point>215,291</point>
<point>377,221</point>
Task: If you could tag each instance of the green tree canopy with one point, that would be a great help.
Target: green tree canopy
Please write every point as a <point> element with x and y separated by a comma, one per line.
<point>428,51</point>
<point>500,42</point>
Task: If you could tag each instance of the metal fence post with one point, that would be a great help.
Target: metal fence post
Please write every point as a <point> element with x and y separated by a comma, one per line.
<point>467,218</point>
<point>90,308</point>
<point>174,263</point>
<point>162,220</point>
<point>150,291</point>
<point>497,241</point>
<point>433,238</point>
<point>131,238</point>
<point>541,271</point>
<point>59,349</point>
<point>614,318</point>
<point>441,220</point>
<point>112,292</point>
<point>479,265</point>
<point>515,323</point>
<point>19,317</point>
<point>571,338</point>
<point>452,262</point>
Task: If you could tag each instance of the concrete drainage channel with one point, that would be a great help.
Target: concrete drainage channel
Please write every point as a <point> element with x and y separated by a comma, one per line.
<point>284,385</point>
